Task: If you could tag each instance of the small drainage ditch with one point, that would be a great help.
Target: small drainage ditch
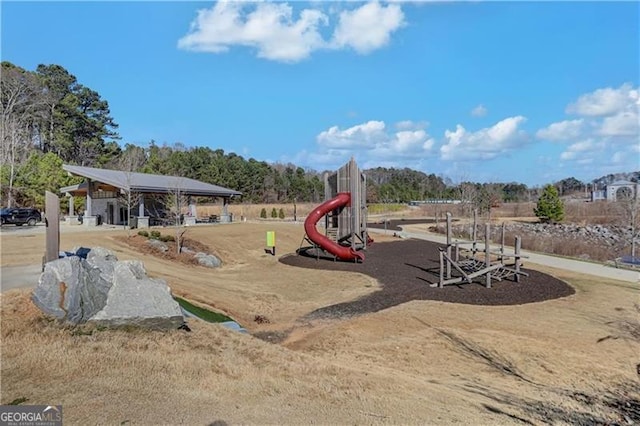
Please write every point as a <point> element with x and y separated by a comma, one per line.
<point>191,310</point>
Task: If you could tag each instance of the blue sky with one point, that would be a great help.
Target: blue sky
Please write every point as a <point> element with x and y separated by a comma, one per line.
<point>483,91</point>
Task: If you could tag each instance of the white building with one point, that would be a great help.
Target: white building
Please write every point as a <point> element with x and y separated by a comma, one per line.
<point>617,190</point>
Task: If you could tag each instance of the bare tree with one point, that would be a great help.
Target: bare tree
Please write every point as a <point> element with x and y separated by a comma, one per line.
<point>176,199</point>
<point>18,110</point>
<point>628,207</point>
<point>131,160</point>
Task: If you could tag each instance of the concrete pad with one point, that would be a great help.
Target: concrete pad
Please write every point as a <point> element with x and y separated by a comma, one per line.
<point>23,276</point>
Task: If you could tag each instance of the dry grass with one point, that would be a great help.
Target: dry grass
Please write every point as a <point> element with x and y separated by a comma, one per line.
<point>418,363</point>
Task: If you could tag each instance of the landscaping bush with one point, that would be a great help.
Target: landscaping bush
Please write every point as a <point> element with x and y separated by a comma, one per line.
<point>143,233</point>
<point>274,213</point>
<point>281,214</point>
<point>263,213</point>
<point>155,235</point>
<point>167,238</point>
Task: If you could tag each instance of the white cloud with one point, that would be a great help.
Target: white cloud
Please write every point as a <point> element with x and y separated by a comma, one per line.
<point>577,150</point>
<point>622,124</point>
<point>609,125</point>
<point>361,136</point>
<point>373,138</point>
<point>486,143</point>
<point>373,144</point>
<point>618,157</point>
<point>479,111</point>
<point>411,125</point>
<point>368,27</point>
<point>561,131</point>
<point>270,28</point>
<point>607,101</point>
<point>276,34</point>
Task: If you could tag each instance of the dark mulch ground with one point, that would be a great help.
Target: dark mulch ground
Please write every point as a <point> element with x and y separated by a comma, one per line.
<point>406,268</point>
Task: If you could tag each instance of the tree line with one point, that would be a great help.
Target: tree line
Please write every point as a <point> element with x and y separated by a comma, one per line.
<point>49,118</point>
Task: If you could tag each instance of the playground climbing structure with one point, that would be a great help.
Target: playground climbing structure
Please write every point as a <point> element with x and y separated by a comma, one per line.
<point>472,259</point>
<point>345,215</point>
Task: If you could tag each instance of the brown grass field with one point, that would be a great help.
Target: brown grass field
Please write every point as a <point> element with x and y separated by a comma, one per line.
<point>573,360</point>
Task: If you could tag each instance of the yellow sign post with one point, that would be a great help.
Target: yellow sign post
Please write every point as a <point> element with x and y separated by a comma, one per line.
<point>271,242</point>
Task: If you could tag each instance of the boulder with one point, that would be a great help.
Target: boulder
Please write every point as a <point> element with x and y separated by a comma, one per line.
<point>208,260</point>
<point>104,290</point>
<point>70,291</point>
<point>135,299</point>
<point>158,245</point>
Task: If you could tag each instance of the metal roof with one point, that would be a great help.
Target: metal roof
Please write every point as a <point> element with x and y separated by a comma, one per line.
<point>147,183</point>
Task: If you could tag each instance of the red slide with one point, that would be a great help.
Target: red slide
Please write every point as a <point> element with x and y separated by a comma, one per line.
<point>342,252</point>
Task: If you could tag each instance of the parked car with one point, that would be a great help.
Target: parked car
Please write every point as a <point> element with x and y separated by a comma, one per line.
<point>20,216</point>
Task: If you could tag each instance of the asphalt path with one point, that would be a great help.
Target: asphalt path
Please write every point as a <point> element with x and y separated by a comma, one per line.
<point>589,268</point>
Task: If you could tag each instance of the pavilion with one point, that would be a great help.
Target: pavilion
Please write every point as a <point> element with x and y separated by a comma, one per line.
<point>107,193</point>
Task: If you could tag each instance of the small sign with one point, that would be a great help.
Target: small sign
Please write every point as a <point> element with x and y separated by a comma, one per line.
<point>271,239</point>
<point>30,415</point>
<point>271,243</point>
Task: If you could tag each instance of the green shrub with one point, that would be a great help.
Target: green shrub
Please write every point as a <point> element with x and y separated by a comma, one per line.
<point>167,238</point>
<point>144,234</point>
<point>549,207</point>
<point>274,213</point>
<point>155,235</point>
<point>263,213</point>
<point>281,214</point>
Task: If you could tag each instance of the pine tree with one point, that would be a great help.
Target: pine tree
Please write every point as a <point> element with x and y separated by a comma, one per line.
<point>550,207</point>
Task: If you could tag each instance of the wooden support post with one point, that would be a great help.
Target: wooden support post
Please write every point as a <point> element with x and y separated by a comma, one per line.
<point>52,220</point>
<point>441,282</point>
<point>502,243</point>
<point>487,252</point>
<point>449,231</point>
<point>517,253</point>
<point>474,233</point>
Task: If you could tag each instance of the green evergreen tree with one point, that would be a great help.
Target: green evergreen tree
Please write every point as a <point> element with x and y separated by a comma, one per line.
<point>263,213</point>
<point>281,213</point>
<point>274,213</point>
<point>550,207</point>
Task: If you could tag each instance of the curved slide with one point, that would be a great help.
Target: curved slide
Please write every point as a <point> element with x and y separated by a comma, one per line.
<point>342,252</point>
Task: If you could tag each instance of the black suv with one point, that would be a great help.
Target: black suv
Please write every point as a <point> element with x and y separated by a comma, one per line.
<point>20,216</point>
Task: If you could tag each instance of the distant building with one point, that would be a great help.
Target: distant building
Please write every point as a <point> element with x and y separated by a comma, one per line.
<point>103,191</point>
<point>617,190</point>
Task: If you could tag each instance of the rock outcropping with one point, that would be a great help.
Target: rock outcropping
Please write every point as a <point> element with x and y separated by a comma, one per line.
<point>105,291</point>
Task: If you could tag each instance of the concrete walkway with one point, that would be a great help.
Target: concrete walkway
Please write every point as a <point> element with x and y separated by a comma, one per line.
<point>22,276</point>
<point>589,268</point>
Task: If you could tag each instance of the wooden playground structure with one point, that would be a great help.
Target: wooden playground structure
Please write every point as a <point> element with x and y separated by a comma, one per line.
<point>348,224</point>
<point>345,215</point>
<point>473,259</point>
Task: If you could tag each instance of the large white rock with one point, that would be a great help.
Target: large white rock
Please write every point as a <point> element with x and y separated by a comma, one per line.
<point>70,290</point>
<point>135,299</point>
<point>104,290</point>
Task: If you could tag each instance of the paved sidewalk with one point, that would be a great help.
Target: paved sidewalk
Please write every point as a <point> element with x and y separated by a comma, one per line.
<point>21,276</point>
<point>589,268</point>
